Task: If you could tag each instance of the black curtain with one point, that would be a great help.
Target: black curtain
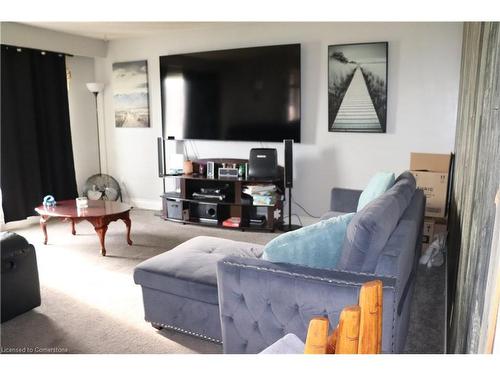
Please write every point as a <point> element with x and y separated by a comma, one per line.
<point>37,154</point>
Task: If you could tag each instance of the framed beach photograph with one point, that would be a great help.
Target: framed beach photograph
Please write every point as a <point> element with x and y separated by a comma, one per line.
<point>130,94</point>
<point>357,87</point>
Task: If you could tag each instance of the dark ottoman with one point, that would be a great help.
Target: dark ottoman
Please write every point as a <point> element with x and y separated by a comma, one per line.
<point>20,285</point>
<point>179,287</point>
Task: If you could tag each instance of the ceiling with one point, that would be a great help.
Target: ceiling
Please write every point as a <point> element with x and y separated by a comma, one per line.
<point>119,30</point>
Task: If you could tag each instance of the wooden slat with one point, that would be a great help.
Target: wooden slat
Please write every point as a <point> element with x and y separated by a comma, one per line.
<point>348,331</point>
<point>331,342</point>
<point>317,336</point>
<point>370,331</point>
<point>475,182</point>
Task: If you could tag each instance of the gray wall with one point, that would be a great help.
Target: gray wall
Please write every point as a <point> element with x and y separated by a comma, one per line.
<point>82,113</point>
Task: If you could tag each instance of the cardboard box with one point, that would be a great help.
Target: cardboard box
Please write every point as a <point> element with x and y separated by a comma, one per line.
<point>431,172</point>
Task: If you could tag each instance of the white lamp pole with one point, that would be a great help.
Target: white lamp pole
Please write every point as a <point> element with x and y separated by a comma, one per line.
<point>96,88</point>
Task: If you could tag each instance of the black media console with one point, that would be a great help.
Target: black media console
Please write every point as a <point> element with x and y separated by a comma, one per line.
<point>211,201</point>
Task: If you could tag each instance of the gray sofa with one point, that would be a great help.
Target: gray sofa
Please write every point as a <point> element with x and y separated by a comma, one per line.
<point>221,290</point>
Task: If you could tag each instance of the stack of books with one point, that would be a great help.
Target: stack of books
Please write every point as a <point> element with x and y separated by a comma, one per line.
<point>262,195</point>
<point>232,222</point>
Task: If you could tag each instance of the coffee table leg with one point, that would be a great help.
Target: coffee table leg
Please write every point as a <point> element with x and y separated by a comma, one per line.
<point>100,226</point>
<point>101,232</point>
<point>43,225</point>
<point>73,230</point>
<point>128,223</point>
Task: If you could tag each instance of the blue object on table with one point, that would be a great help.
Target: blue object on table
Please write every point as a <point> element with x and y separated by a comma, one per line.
<point>49,200</point>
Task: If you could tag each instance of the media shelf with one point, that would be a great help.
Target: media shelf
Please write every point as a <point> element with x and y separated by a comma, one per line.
<point>183,207</point>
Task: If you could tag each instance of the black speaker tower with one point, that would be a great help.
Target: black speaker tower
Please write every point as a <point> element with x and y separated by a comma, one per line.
<point>288,143</point>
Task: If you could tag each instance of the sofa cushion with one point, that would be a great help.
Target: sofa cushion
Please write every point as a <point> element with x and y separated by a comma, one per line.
<point>318,245</point>
<point>378,185</point>
<point>370,228</point>
<point>189,270</point>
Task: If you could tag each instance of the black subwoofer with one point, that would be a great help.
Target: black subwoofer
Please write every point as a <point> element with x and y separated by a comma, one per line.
<point>209,211</point>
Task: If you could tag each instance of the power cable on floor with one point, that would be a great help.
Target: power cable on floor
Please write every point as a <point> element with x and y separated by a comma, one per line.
<point>297,216</point>
<point>303,209</point>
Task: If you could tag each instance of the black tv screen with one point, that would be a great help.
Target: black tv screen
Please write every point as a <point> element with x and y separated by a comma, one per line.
<point>244,94</point>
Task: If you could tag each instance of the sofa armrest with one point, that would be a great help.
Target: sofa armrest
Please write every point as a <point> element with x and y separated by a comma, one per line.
<point>344,200</point>
<point>260,301</point>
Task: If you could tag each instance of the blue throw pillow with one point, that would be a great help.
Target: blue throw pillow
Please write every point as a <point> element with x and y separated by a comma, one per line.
<point>377,186</point>
<point>318,245</point>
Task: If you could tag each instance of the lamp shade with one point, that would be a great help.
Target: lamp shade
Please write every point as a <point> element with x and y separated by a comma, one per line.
<point>95,87</point>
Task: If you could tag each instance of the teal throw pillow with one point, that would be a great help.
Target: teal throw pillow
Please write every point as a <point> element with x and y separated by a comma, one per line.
<point>377,186</point>
<point>318,245</point>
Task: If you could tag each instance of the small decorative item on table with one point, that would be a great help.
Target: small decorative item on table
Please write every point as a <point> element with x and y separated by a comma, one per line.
<point>49,201</point>
<point>82,202</point>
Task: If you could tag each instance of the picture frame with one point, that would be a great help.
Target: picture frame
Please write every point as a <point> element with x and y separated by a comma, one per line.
<point>131,94</point>
<point>357,87</point>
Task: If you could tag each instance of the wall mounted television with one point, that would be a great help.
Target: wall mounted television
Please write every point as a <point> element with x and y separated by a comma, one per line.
<point>244,94</point>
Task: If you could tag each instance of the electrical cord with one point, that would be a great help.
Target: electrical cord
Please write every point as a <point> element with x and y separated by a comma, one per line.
<point>297,216</point>
<point>303,209</point>
<point>186,151</point>
<point>186,144</point>
<point>195,149</point>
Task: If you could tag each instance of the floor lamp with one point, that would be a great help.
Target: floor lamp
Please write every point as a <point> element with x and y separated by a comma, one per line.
<point>108,187</point>
<point>95,88</point>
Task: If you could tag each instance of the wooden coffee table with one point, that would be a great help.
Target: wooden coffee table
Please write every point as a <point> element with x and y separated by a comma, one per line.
<point>98,213</point>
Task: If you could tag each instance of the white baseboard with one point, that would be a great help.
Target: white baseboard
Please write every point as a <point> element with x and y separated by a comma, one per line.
<point>146,204</point>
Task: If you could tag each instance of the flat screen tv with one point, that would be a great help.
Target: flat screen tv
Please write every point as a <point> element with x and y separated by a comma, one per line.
<point>244,94</point>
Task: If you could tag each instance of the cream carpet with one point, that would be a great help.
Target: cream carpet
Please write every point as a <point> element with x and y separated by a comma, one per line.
<point>90,303</point>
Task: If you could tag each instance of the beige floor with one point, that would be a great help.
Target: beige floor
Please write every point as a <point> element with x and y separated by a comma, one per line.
<point>90,303</point>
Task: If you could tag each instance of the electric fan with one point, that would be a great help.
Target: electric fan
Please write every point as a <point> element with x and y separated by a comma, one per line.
<point>102,186</point>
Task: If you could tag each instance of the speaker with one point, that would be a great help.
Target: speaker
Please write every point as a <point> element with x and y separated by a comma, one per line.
<point>210,169</point>
<point>204,210</point>
<point>263,163</point>
<point>288,143</point>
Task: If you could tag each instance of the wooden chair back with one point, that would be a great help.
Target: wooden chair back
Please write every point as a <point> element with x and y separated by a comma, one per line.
<point>359,330</point>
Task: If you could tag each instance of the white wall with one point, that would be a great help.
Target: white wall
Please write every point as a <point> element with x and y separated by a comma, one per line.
<point>21,35</point>
<point>82,114</point>
<point>424,64</point>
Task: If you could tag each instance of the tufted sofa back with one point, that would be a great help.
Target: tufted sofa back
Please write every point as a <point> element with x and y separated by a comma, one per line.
<point>370,229</point>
